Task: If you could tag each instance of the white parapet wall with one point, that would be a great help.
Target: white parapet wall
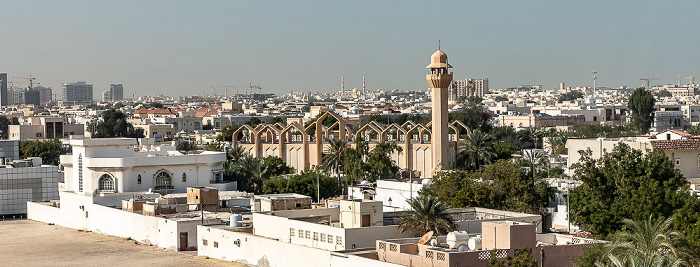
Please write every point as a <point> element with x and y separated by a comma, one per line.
<point>262,251</point>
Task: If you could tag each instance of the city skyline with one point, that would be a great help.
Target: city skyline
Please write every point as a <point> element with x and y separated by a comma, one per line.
<point>181,48</point>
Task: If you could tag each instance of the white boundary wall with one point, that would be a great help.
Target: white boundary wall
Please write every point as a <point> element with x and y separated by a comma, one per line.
<point>79,212</point>
<point>262,251</point>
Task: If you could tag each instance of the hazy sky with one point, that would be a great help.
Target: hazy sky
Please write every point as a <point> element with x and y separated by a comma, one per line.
<point>186,47</point>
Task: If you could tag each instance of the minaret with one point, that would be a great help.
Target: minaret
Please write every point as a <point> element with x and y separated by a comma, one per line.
<point>363,84</point>
<point>439,79</point>
<point>342,86</point>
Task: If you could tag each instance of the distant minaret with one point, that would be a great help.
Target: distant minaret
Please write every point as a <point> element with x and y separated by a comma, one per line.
<point>363,84</point>
<point>342,86</point>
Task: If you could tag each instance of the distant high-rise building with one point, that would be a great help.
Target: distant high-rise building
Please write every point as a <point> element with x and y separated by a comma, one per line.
<point>45,94</point>
<point>481,87</point>
<point>107,96</point>
<point>32,97</point>
<point>15,96</point>
<point>3,89</point>
<point>116,92</point>
<point>77,93</point>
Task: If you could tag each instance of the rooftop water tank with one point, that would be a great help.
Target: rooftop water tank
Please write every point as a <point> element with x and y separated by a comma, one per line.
<point>474,243</point>
<point>456,238</point>
<point>236,219</point>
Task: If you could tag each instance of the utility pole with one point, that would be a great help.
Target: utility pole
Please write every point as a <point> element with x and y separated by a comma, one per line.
<point>594,78</point>
<point>318,185</point>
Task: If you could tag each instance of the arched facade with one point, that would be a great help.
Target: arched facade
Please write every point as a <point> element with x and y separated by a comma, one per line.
<point>107,183</point>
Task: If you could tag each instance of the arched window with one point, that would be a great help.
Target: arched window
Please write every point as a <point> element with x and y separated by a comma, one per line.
<point>139,179</point>
<point>184,177</point>
<point>80,172</point>
<point>106,183</point>
<point>164,180</point>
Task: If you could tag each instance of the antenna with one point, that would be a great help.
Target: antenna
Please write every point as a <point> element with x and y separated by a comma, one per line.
<point>438,44</point>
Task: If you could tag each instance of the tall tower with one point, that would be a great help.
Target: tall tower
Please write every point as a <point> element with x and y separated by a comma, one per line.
<point>363,85</point>
<point>3,90</point>
<point>439,80</point>
<point>342,86</point>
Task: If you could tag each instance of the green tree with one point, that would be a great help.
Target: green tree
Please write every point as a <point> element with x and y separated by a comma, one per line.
<point>214,146</point>
<point>474,117</point>
<point>355,166</point>
<point>427,214</point>
<point>379,163</point>
<point>235,153</point>
<point>303,183</point>
<point>186,148</point>
<point>651,242</point>
<point>254,169</point>
<point>254,121</point>
<point>501,185</point>
<point>281,120</point>
<point>523,258</point>
<point>4,126</point>
<point>49,151</point>
<point>500,98</point>
<point>694,130</point>
<point>276,166</point>
<point>477,150</point>
<point>663,93</point>
<point>627,184</point>
<point>113,124</point>
<point>334,160</point>
<point>226,133</point>
<point>573,95</point>
<point>641,103</point>
<point>534,160</point>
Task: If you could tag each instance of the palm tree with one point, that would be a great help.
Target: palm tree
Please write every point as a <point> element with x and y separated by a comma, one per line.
<point>476,149</point>
<point>648,243</point>
<point>427,214</point>
<point>333,161</point>
<point>535,159</point>
<point>254,168</point>
<point>235,153</point>
<point>558,139</point>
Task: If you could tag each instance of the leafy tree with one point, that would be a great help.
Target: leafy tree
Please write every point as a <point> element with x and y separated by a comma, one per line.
<point>533,136</point>
<point>596,130</point>
<point>155,105</point>
<point>534,160</point>
<point>427,214</point>
<point>474,117</point>
<point>474,100</point>
<point>557,141</point>
<point>276,166</point>
<point>500,98</point>
<point>254,169</point>
<point>186,148</point>
<point>226,133</point>
<point>663,93</point>
<point>626,184</point>
<point>281,120</point>
<point>355,166</point>
<point>503,150</point>
<point>523,258</point>
<point>254,121</point>
<point>650,242</point>
<point>573,95</point>
<point>49,151</point>
<point>214,146</point>
<point>236,153</point>
<point>113,124</point>
<point>641,103</point>
<point>502,185</point>
<point>303,183</point>
<point>379,163</point>
<point>4,126</point>
<point>477,150</point>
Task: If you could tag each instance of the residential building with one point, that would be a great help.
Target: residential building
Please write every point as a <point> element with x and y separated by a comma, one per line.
<point>25,180</point>
<point>44,127</point>
<point>79,93</point>
<point>541,120</point>
<point>116,92</point>
<point>45,94</point>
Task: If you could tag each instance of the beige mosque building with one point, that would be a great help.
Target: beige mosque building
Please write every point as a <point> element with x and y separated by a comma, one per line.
<point>425,148</point>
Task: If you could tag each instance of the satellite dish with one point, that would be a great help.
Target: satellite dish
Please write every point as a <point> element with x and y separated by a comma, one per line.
<point>424,239</point>
<point>462,248</point>
<point>434,242</point>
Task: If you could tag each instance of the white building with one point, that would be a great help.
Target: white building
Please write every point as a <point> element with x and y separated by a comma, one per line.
<point>110,165</point>
<point>26,180</point>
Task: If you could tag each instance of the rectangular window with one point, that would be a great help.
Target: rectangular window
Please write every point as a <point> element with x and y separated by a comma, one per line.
<point>301,233</point>
<point>316,236</point>
<point>307,234</point>
<point>338,240</point>
<point>323,237</point>
<point>291,231</point>
<point>330,238</point>
<point>216,244</point>
<point>205,242</point>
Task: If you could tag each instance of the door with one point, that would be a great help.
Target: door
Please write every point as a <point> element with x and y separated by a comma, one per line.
<point>365,220</point>
<point>183,241</point>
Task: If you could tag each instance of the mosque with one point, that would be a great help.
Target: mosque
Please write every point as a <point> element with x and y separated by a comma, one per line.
<point>425,148</point>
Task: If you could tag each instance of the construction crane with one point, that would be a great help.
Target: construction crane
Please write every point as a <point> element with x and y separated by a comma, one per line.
<point>691,79</point>
<point>30,79</point>
<point>654,79</point>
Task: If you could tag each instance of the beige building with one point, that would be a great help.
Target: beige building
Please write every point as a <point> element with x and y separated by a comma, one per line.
<point>44,127</point>
<point>425,148</point>
<point>541,120</point>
